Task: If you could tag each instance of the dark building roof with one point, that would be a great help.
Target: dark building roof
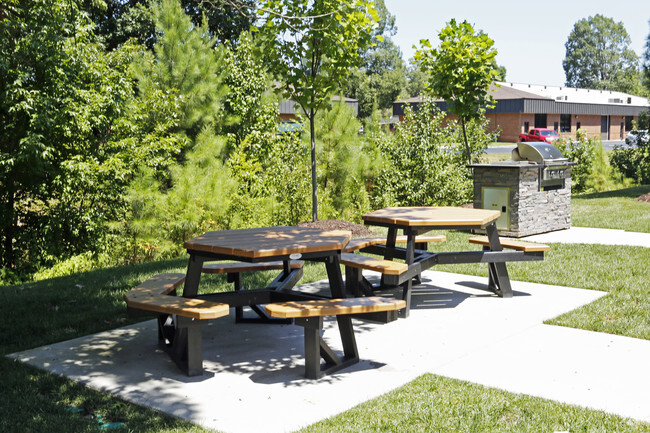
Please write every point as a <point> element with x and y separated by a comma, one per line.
<point>528,98</point>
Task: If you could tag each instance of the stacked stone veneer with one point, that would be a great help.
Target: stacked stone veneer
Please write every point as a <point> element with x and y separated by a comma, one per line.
<point>532,210</point>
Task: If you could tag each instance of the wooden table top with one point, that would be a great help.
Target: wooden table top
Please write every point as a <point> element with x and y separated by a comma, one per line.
<point>441,216</point>
<point>269,241</point>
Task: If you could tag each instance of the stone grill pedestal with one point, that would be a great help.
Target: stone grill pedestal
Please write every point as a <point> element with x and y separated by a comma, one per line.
<point>515,188</point>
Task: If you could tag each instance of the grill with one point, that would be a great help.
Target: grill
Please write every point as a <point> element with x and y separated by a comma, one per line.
<point>552,164</point>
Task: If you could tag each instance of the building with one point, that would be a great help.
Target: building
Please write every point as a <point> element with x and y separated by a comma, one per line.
<point>600,113</point>
<point>288,108</point>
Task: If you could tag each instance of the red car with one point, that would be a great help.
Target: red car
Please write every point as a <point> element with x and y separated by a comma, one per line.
<point>540,134</point>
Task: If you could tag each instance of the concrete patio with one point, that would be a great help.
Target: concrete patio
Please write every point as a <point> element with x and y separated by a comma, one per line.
<point>253,373</point>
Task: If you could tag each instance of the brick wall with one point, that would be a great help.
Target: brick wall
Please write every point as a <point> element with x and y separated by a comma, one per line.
<point>511,125</point>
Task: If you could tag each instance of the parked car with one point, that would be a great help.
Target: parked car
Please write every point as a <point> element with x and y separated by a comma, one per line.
<point>637,136</point>
<point>540,134</point>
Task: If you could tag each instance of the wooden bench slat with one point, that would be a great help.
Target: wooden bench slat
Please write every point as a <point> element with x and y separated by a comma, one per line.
<point>422,239</point>
<point>188,307</point>
<point>161,283</point>
<point>333,307</point>
<point>512,244</point>
<point>387,267</point>
<point>236,267</point>
<point>360,243</point>
<point>153,295</point>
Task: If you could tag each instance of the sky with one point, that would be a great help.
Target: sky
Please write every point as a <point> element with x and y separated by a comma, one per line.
<point>529,36</point>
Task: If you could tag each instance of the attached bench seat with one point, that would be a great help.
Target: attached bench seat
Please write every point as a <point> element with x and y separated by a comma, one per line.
<point>154,296</point>
<point>309,315</point>
<point>527,247</point>
<point>180,338</point>
<point>360,243</point>
<point>499,281</point>
<point>386,267</point>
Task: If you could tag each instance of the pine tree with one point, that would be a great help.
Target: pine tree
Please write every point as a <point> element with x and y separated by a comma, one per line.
<point>186,64</point>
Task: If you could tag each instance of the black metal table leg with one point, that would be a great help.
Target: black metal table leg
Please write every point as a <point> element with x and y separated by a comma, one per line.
<point>183,342</point>
<point>316,348</point>
<point>498,280</point>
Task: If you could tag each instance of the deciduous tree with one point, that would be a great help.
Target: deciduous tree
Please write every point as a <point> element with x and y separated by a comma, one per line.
<point>311,46</point>
<point>461,70</point>
<point>381,77</point>
<point>646,64</point>
<point>119,20</point>
<point>63,165</point>
<point>598,56</point>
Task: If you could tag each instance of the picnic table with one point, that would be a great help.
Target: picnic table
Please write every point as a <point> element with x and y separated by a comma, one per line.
<point>415,221</point>
<point>263,245</point>
<point>181,318</point>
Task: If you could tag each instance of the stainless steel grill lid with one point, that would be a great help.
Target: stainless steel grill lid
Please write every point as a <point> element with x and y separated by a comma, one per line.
<point>543,153</point>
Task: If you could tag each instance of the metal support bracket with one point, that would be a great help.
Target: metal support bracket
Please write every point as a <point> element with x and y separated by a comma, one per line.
<point>316,348</point>
<point>182,340</point>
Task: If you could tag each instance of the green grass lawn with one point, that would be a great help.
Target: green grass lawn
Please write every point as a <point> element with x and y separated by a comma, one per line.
<point>67,307</point>
<point>612,210</point>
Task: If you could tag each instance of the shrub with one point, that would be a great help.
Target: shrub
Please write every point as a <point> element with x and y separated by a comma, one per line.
<point>604,177</point>
<point>633,162</point>
<point>425,161</point>
<point>583,153</point>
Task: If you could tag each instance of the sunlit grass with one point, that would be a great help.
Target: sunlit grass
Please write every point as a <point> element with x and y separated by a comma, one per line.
<point>437,404</point>
<point>613,210</point>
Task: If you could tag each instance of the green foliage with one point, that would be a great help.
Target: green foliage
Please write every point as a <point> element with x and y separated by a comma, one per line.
<point>381,78</point>
<point>120,20</point>
<point>342,164</point>
<point>226,22</point>
<point>461,70</point>
<point>288,180</point>
<point>417,80</point>
<point>582,151</point>
<point>633,162</point>
<point>63,165</point>
<point>252,110</point>
<point>593,171</point>
<point>643,122</point>
<point>185,65</point>
<point>313,51</point>
<point>198,200</point>
<point>603,176</point>
<point>598,56</point>
<point>425,165</point>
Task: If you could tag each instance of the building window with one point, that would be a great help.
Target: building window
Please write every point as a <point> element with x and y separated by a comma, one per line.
<point>526,127</point>
<point>540,120</point>
<point>565,123</point>
<point>628,123</point>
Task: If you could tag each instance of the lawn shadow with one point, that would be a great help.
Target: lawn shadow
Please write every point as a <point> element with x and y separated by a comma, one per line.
<point>632,192</point>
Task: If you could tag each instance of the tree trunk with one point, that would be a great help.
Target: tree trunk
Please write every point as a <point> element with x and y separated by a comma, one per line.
<point>8,228</point>
<point>314,197</point>
<point>469,154</point>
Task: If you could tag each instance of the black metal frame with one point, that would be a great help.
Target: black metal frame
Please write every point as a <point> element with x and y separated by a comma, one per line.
<point>419,260</point>
<point>316,348</point>
<point>181,337</point>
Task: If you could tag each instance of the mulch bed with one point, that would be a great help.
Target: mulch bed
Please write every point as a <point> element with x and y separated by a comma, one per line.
<point>644,198</point>
<point>357,230</point>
